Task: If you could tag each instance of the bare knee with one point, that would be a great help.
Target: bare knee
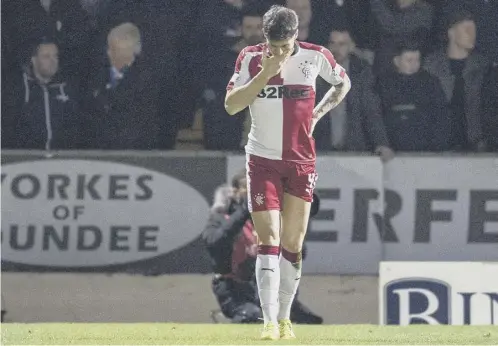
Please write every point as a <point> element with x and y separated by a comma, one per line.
<point>267,226</point>
<point>292,242</point>
<point>295,223</point>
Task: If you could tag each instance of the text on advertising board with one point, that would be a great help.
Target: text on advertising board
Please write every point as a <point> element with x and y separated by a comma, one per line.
<point>93,213</point>
<point>426,215</point>
<point>459,293</point>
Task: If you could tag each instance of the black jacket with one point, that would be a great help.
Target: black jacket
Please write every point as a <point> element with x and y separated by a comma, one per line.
<point>125,116</point>
<point>364,130</point>
<point>415,113</point>
<point>474,75</point>
<point>220,233</point>
<point>27,22</point>
<point>490,108</point>
<point>40,116</point>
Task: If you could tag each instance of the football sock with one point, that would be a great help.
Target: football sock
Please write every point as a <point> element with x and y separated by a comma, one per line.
<point>268,280</point>
<point>290,276</point>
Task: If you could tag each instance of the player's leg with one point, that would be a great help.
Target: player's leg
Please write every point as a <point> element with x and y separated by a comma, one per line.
<point>294,225</point>
<point>267,225</point>
<point>295,217</point>
<point>264,201</point>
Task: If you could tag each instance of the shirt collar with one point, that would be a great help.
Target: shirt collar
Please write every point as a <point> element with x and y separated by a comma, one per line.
<point>296,48</point>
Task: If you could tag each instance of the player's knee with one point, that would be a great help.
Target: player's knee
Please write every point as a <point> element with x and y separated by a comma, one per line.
<point>293,247</point>
<point>292,242</point>
<point>269,238</point>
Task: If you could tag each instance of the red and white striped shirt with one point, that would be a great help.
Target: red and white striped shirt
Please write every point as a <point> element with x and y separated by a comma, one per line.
<point>281,114</point>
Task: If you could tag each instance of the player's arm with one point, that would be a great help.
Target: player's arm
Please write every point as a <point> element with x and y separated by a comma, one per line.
<point>332,98</point>
<point>240,97</point>
<point>242,90</point>
<point>334,74</point>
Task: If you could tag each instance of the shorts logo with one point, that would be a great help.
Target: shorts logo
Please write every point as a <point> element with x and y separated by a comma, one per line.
<point>259,199</point>
<point>312,178</point>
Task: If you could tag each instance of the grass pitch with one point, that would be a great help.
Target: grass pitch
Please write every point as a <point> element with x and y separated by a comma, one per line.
<point>228,334</point>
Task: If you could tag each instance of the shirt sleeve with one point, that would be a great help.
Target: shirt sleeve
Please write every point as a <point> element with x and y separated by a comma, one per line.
<point>241,74</point>
<point>329,69</point>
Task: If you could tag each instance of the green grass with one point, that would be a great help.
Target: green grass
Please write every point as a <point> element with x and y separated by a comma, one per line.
<point>218,334</point>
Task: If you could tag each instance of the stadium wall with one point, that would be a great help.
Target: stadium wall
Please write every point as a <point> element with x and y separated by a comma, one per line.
<point>135,212</point>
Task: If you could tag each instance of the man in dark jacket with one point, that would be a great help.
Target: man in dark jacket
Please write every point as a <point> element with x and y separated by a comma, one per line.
<point>414,105</point>
<point>461,71</point>
<point>63,20</point>
<point>221,131</point>
<point>399,21</point>
<point>490,109</point>
<point>124,96</point>
<point>486,16</point>
<point>356,124</point>
<point>40,107</point>
<point>232,244</point>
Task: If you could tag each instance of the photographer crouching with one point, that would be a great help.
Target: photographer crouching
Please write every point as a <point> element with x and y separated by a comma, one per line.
<point>232,244</point>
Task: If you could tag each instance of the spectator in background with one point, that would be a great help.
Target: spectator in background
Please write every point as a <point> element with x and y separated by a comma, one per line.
<point>95,10</point>
<point>218,29</point>
<point>312,22</point>
<point>490,109</point>
<point>221,131</point>
<point>414,104</point>
<point>124,96</point>
<point>461,71</point>
<point>9,59</point>
<point>97,14</point>
<point>232,244</point>
<point>485,14</point>
<point>165,27</point>
<point>321,16</point>
<point>27,21</point>
<point>39,106</point>
<point>356,124</point>
<point>305,14</point>
<point>399,21</point>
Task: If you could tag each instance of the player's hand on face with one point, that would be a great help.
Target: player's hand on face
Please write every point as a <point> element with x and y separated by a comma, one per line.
<point>272,64</point>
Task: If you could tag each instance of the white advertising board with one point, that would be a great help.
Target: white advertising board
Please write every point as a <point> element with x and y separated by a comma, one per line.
<point>73,213</point>
<point>457,293</point>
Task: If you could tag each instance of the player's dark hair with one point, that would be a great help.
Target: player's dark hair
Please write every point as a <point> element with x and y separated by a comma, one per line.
<point>280,23</point>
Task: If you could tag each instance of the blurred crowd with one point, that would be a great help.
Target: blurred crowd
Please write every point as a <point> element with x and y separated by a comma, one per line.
<point>126,74</point>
